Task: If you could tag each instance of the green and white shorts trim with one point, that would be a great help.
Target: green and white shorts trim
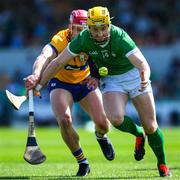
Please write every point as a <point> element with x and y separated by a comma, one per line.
<point>128,83</point>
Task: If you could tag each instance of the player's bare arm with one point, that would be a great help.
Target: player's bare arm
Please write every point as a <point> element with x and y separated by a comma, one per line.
<point>54,66</point>
<point>47,54</point>
<point>43,60</point>
<point>139,61</point>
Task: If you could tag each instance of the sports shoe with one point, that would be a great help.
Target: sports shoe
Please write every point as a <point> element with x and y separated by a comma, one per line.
<point>139,151</point>
<point>106,147</point>
<point>164,171</point>
<point>83,170</point>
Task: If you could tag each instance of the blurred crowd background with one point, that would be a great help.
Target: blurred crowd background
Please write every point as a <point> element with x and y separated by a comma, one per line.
<point>26,26</point>
<point>31,23</point>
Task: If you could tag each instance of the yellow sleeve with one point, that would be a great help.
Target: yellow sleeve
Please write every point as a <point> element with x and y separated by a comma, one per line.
<point>59,41</point>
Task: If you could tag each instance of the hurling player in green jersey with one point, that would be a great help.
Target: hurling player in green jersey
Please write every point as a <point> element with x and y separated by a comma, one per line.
<point>128,77</point>
<point>66,88</point>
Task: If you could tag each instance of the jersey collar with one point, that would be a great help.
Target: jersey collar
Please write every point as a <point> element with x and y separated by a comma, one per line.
<point>103,45</point>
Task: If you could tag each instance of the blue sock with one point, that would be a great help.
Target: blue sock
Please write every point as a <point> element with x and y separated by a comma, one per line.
<point>80,156</point>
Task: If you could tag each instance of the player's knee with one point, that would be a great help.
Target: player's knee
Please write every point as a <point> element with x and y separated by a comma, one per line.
<point>116,119</point>
<point>65,121</point>
<point>151,128</point>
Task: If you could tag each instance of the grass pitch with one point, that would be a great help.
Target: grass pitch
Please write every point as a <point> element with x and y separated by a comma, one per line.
<point>60,163</point>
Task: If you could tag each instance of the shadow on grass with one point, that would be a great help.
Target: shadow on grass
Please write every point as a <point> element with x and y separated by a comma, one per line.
<point>144,169</point>
<point>14,177</point>
<point>69,177</point>
<point>155,169</point>
<point>87,177</point>
<point>175,168</point>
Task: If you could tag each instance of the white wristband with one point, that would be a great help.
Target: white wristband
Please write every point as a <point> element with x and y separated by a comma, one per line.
<point>38,87</point>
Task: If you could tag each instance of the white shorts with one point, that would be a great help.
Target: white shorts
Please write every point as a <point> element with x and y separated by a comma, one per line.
<point>128,83</point>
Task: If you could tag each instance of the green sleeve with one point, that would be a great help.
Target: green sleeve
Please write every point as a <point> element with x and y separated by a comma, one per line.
<point>76,45</point>
<point>126,44</point>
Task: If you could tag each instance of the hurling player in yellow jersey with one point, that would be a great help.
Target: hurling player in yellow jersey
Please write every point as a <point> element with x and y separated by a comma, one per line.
<point>66,87</point>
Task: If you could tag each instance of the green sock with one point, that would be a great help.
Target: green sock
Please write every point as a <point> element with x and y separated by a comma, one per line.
<point>156,142</point>
<point>129,126</point>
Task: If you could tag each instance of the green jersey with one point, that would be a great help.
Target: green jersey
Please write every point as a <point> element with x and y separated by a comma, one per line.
<point>112,55</point>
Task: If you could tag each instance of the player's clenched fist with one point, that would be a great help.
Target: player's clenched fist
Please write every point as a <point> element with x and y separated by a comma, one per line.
<point>31,81</point>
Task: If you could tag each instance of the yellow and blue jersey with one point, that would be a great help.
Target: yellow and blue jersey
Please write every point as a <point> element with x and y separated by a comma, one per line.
<point>77,69</point>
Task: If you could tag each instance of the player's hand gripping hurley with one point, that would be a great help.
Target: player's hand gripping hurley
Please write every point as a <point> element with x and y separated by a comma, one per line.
<point>33,153</point>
